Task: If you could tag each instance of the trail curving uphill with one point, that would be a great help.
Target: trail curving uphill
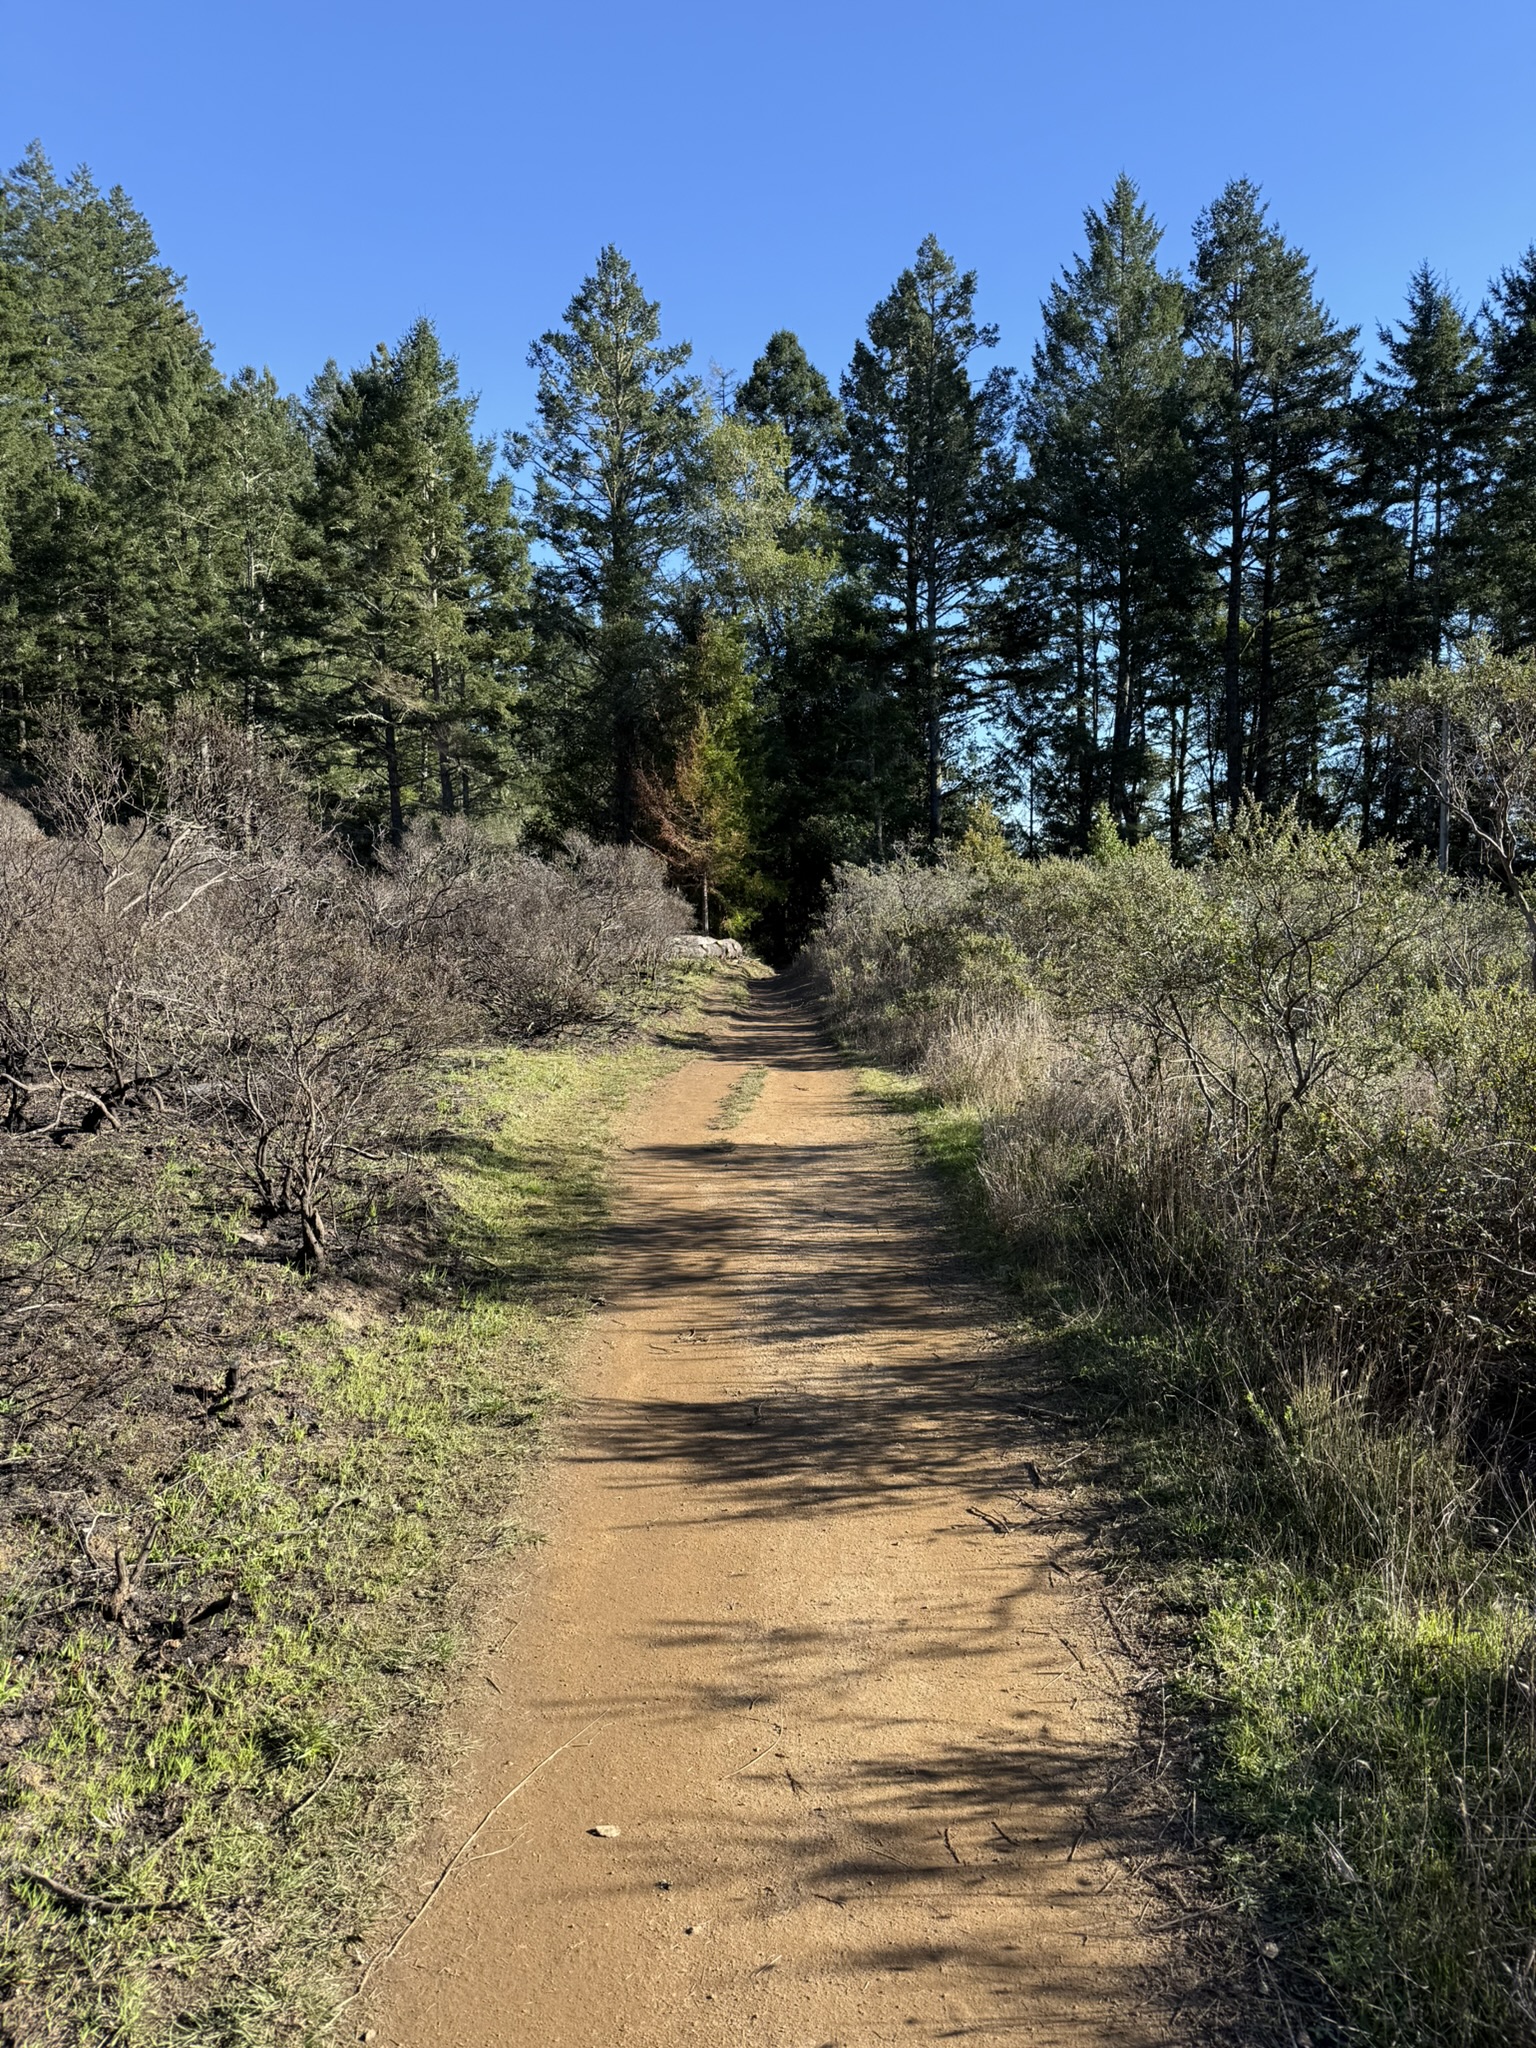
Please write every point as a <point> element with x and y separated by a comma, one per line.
<point>848,1730</point>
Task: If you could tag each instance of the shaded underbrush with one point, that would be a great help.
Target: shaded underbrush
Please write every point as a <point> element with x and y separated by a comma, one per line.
<point>1255,1143</point>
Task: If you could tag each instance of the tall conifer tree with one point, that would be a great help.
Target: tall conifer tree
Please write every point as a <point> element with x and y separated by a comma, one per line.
<point>1503,530</point>
<point>261,472</point>
<point>1112,507</point>
<point>415,572</point>
<point>108,590</point>
<point>1416,473</point>
<point>614,451</point>
<point>1271,382</point>
<point>925,482</point>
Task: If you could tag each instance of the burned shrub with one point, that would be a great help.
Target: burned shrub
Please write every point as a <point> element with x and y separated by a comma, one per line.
<point>313,1030</point>
<point>532,944</point>
<point>185,943</point>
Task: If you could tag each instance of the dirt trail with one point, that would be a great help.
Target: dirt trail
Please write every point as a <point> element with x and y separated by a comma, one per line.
<point>847,1731</point>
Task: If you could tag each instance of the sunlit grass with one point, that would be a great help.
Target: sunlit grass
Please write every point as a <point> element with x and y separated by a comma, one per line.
<point>738,1099</point>
<point>232,1807</point>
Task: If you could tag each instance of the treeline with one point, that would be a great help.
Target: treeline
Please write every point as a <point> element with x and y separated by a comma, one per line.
<point>769,627</point>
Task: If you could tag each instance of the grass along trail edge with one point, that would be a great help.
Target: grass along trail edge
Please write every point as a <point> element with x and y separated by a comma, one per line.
<point>1331,1639</point>
<point>203,1817</point>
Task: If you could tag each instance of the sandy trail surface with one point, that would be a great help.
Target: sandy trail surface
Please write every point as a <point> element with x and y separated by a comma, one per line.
<point>848,1733</point>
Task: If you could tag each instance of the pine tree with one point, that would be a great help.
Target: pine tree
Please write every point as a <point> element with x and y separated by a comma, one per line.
<point>18,449</point>
<point>1271,382</point>
<point>1111,513</point>
<point>415,569</point>
<point>614,452</point>
<point>261,471</point>
<point>825,753</point>
<point>1415,473</point>
<point>925,478</point>
<point>787,391</point>
<point>1502,536</point>
<point>700,814</point>
<point>109,585</point>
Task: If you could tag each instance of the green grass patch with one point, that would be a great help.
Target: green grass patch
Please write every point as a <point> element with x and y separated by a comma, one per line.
<point>224,1763</point>
<point>738,1099</point>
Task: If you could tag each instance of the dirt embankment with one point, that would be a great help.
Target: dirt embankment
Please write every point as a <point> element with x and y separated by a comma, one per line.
<point>814,1728</point>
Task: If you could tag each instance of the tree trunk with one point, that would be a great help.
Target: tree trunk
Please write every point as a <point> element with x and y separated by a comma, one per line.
<point>1120,736</point>
<point>1087,733</point>
<point>1444,836</point>
<point>392,771</point>
<point>935,705</point>
<point>1264,719</point>
<point>1232,650</point>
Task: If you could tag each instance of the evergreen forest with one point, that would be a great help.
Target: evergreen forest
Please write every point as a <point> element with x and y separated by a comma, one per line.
<point>769,623</point>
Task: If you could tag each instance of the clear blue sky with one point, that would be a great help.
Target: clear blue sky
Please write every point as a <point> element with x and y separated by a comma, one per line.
<point>324,173</point>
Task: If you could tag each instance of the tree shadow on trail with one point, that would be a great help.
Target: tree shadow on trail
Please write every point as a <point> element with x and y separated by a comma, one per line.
<point>862,1370</point>
<point>821,1348</point>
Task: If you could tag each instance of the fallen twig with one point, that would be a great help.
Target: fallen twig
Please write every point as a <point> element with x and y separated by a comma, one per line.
<point>292,1812</point>
<point>1056,1469</point>
<point>996,1523</point>
<point>387,1954</point>
<point>1109,1615</point>
<point>1045,1414</point>
<point>1188,1919</point>
<point>751,1760</point>
<point>89,1902</point>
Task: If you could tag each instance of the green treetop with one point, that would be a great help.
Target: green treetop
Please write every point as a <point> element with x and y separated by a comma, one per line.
<point>787,391</point>
<point>614,451</point>
<point>415,570</point>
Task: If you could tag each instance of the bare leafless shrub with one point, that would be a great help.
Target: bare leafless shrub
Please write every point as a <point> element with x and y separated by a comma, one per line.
<point>185,942</point>
<point>312,1033</point>
<point>101,919</point>
<point>533,944</point>
<point>43,900</point>
<point>82,1288</point>
<point>1291,1083</point>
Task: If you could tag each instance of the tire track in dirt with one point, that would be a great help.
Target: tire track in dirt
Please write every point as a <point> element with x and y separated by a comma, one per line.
<point>849,1734</point>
